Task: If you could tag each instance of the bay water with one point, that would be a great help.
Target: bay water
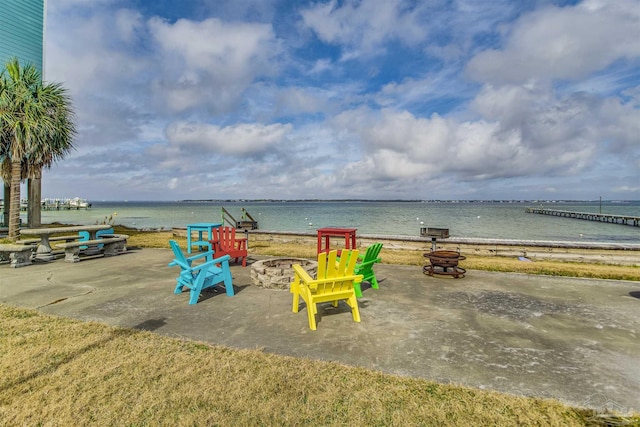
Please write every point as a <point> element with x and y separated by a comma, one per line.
<point>472,219</point>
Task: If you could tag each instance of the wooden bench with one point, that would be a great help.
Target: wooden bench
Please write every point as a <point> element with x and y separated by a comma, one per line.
<point>112,244</point>
<point>18,255</point>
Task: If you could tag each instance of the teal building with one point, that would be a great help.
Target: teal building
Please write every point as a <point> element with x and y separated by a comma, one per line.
<point>22,31</point>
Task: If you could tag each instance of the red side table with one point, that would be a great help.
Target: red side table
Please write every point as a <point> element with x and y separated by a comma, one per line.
<point>324,234</point>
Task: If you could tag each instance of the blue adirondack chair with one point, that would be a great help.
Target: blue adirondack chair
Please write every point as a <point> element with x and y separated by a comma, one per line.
<point>84,236</point>
<point>365,267</point>
<point>206,274</point>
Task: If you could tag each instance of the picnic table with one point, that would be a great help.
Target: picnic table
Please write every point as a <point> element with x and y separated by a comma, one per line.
<point>44,252</point>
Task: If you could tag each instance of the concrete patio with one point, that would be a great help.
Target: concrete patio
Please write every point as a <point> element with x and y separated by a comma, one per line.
<point>575,340</point>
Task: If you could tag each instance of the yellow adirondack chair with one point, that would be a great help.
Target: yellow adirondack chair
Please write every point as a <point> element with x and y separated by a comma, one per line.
<point>334,283</point>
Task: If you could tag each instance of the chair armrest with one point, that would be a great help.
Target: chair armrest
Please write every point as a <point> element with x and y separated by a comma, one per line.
<point>302,273</point>
<point>201,255</point>
<point>222,259</point>
<point>371,262</point>
<point>180,264</point>
<point>241,243</point>
<point>191,259</point>
<point>356,278</point>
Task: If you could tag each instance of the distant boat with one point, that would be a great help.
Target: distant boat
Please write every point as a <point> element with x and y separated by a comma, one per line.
<point>78,203</point>
<point>65,204</point>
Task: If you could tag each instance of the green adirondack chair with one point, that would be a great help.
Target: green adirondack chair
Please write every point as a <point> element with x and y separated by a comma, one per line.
<point>365,267</point>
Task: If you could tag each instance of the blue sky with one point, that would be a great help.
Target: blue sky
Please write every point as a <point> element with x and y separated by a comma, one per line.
<point>380,99</point>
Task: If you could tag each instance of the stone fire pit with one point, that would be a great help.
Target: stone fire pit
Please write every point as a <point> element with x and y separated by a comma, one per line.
<point>277,273</point>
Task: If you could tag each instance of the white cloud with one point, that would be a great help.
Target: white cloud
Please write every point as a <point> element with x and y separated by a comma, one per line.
<point>562,43</point>
<point>361,27</point>
<point>626,189</point>
<point>296,100</point>
<point>241,139</point>
<point>433,88</point>
<point>93,58</point>
<point>634,94</point>
<point>577,123</point>
<point>400,145</point>
<point>249,101</point>
<point>320,66</point>
<point>211,63</point>
<point>128,23</point>
<point>215,46</point>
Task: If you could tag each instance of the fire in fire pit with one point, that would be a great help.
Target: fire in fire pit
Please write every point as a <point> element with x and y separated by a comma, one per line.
<point>277,273</point>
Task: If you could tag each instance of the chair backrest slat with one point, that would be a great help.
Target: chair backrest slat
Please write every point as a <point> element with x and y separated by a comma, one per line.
<point>225,237</point>
<point>352,259</point>
<point>177,252</point>
<point>322,266</point>
<point>373,251</point>
<point>332,269</point>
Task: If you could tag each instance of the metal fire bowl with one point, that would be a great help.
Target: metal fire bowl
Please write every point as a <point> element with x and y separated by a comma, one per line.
<point>444,263</point>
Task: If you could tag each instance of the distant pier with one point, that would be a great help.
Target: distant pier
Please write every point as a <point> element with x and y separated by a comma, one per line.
<point>589,216</point>
<point>55,204</point>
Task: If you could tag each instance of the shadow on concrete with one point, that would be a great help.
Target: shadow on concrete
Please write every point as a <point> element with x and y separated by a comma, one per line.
<point>367,285</point>
<point>635,294</point>
<point>218,290</point>
<point>151,324</point>
<point>326,309</point>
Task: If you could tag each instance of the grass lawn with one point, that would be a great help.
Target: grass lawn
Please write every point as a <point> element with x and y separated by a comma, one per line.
<point>61,372</point>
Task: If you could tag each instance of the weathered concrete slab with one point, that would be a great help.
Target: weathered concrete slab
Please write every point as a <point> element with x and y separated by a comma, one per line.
<point>576,340</point>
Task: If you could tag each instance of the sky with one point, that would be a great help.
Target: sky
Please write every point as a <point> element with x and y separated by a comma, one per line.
<point>364,99</point>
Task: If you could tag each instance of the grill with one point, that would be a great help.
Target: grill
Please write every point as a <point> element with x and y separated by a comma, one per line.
<point>434,233</point>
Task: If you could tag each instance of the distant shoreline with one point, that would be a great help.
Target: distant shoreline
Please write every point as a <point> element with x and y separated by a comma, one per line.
<point>507,201</point>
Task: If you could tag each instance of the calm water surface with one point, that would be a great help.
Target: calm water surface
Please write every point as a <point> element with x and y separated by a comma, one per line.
<point>463,219</point>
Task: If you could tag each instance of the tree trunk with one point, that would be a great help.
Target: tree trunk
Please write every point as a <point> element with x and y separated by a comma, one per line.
<point>14,207</point>
<point>35,200</point>
<point>29,204</point>
<point>7,203</point>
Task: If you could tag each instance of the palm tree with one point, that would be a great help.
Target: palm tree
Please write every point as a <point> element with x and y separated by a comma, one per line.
<point>37,128</point>
<point>58,144</point>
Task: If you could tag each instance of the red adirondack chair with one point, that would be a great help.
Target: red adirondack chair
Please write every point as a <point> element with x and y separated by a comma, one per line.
<point>225,242</point>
